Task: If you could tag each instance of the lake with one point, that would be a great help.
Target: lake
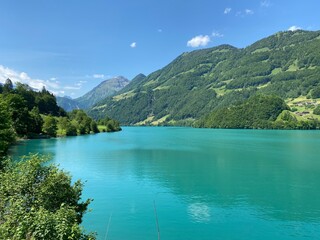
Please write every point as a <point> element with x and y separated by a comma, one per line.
<point>185,183</point>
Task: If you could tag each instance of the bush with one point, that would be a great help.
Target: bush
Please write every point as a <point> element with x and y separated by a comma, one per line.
<point>38,201</point>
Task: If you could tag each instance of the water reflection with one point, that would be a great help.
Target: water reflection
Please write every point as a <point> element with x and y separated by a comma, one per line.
<point>199,212</point>
<point>203,181</point>
<point>276,172</point>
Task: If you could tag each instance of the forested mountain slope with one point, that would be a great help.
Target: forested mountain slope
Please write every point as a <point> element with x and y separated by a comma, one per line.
<point>286,64</point>
<point>67,104</point>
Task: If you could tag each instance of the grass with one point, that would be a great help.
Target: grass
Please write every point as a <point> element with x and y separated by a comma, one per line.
<point>293,67</point>
<point>161,88</point>
<point>124,96</point>
<point>276,71</point>
<point>221,91</point>
<point>146,121</point>
<point>161,120</point>
<point>265,49</point>
<point>102,127</point>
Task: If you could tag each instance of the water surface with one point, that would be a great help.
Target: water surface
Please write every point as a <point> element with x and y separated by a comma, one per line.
<point>198,183</point>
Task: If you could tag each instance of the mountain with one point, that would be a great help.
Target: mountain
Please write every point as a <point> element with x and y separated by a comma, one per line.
<point>67,103</point>
<point>133,83</point>
<point>286,64</point>
<point>104,89</point>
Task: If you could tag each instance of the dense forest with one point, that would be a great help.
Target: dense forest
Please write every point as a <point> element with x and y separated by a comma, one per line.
<point>286,64</point>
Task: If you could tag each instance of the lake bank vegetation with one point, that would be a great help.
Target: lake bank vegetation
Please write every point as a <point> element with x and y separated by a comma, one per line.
<point>26,114</point>
<point>37,200</point>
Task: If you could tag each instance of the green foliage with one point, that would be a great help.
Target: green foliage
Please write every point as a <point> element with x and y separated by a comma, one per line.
<point>82,122</point>
<point>35,121</point>
<point>50,126</point>
<point>7,135</point>
<point>111,125</point>
<point>47,104</point>
<point>33,113</point>
<point>64,124</point>
<point>257,112</point>
<point>19,113</point>
<point>8,86</point>
<point>317,110</point>
<point>38,201</point>
<point>315,93</point>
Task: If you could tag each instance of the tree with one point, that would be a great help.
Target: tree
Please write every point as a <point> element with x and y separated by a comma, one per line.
<point>317,110</point>
<point>38,201</point>
<point>19,113</point>
<point>83,122</point>
<point>50,126</point>
<point>71,129</point>
<point>94,127</point>
<point>8,86</point>
<point>27,93</point>
<point>316,92</point>
<point>7,135</point>
<point>35,121</point>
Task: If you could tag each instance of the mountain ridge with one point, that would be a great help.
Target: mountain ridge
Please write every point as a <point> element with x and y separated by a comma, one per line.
<point>102,90</point>
<point>194,84</point>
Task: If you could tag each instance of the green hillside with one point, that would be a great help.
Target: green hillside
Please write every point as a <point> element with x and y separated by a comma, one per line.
<point>197,83</point>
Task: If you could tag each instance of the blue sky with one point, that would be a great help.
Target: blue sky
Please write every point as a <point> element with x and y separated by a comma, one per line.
<point>70,46</point>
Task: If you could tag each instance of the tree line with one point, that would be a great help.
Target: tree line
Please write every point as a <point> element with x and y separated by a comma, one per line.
<point>26,113</point>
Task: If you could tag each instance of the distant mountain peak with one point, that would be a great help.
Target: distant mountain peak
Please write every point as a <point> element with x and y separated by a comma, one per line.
<point>105,89</point>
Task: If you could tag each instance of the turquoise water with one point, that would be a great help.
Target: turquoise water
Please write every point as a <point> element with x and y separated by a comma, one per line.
<point>197,183</point>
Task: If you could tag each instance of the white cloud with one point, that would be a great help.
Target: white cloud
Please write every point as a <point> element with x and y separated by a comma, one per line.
<point>80,83</point>
<point>217,35</point>
<point>294,28</point>
<point>201,40</point>
<point>227,10</point>
<point>72,87</point>
<point>99,76</point>
<point>133,45</point>
<point>51,84</point>
<point>23,77</point>
<point>249,12</point>
<point>265,4</point>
